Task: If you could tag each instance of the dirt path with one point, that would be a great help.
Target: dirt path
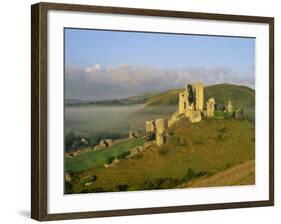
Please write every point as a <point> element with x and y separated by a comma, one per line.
<point>242,174</point>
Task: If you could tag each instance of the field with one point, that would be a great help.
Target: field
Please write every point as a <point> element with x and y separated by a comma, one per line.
<point>89,160</point>
<point>192,151</point>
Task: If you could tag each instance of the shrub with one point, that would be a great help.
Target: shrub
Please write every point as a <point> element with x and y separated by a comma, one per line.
<point>190,175</point>
<point>227,165</point>
<point>198,142</point>
<point>163,151</point>
<point>160,183</point>
<point>68,187</point>
<point>219,137</point>
<point>219,114</point>
<point>228,115</point>
<point>138,156</point>
<point>85,190</point>
<point>123,155</point>
<point>122,187</point>
<point>95,139</point>
<point>73,141</point>
<point>92,178</point>
<point>110,159</point>
<point>96,190</point>
<point>221,130</point>
<point>179,141</point>
<point>150,136</point>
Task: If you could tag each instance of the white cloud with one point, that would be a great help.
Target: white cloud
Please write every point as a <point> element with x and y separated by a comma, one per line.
<point>125,80</point>
<point>96,67</point>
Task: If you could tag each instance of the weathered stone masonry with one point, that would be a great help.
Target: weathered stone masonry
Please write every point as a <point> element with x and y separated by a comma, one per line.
<point>190,105</point>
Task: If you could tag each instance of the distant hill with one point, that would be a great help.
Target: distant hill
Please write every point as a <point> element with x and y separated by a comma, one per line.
<point>74,102</point>
<point>139,99</point>
<point>241,96</point>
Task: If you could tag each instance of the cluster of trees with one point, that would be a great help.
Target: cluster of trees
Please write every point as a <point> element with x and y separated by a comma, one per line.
<point>74,141</point>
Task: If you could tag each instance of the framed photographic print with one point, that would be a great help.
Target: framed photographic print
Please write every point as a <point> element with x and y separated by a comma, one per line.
<point>140,111</point>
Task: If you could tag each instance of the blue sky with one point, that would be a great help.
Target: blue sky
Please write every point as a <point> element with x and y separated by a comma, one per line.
<point>103,50</point>
<point>108,48</point>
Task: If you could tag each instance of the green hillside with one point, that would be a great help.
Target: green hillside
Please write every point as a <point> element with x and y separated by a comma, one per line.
<point>92,159</point>
<point>241,96</point>
<point>192,151</point>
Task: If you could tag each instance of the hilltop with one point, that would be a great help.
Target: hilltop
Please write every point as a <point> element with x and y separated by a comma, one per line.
<point>241,96</point>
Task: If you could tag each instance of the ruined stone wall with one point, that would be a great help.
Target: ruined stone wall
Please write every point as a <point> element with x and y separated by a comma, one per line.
<point>173,119</point>
<point>149,126</point>
<point>195,116</point>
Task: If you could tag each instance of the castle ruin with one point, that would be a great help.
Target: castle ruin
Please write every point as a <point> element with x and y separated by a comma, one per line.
<point>191,106</point>
<point>191,103</point>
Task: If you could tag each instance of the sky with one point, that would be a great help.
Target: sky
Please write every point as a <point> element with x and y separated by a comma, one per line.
<point>116,64</point>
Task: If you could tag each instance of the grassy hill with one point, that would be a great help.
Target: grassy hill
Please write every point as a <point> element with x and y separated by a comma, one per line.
<point>192,152</point>
<point>92,159</point>
<point>241,96</point>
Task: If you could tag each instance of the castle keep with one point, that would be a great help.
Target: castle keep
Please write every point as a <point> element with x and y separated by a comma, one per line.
<point>191,102</point>
<point>191,106</point>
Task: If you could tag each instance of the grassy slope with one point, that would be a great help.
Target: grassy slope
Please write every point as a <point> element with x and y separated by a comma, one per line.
<point>241,96</point>
<point>240,174</point>
<point>210,146</point>
<point>96,158</point>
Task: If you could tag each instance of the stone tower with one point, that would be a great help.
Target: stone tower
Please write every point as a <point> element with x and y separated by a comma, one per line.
<point>199,93</point>
<point>160,131</point>
<point>190,94</point>
<point>149,126</point>
<point>211,107</point>
<point>229,107</point>
<point>183,102</point>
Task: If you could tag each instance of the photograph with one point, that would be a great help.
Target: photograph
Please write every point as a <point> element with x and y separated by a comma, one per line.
<point>157,111</point>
